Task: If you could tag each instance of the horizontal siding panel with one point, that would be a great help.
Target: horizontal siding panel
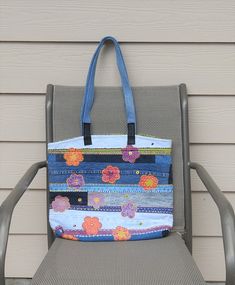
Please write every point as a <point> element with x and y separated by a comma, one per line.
<point>209,256</point>
<point>22,117</point>
<point>16,158</point>
<point>211,118</point>
<point>151,21</point>
<point>29,216</point>
<point>206,68</point>
<point>206,219</point>
<point>25,254</point>
<point>219,160</point>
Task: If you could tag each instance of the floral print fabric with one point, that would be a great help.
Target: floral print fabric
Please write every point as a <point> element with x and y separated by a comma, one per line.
<point>75,181</point>
<point>96,200</point>
<point>91,225</point>
<point>148,182</point>
<point>128,210</point>
<point>60,204</point>
<point>130,153</point>
<point>114,193</point>
<point>73,157</point>
<point>110,174</point>
<point>121,233</point>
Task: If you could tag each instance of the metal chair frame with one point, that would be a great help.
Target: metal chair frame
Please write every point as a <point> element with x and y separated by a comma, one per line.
<point>225,209</point>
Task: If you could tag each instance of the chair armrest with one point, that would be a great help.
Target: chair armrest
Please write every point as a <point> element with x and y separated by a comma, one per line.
<point>227,220</point>
<point>6,210</point>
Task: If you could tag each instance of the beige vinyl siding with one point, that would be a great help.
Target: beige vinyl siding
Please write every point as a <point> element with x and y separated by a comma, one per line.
<point>130,21</point>
<point>164,42</point>
<point>206,68</point>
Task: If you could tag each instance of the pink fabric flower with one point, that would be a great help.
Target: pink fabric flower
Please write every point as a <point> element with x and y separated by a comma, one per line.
<point>60,204</point>
<point>110,174</point>
<point>128,210</point>
<point>130,154</point>
<point>96,200</point>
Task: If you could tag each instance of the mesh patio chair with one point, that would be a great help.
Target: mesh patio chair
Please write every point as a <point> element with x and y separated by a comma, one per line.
<point>163,112</point>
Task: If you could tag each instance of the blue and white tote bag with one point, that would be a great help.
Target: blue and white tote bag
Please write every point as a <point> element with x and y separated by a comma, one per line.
<point>110,187</point>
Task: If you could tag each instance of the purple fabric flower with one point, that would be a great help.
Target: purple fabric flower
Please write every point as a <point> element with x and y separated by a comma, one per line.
<point>60,204</point>
<point>128,210</point>
<point>75,181</point>
<point>96,200</point>
<point>130,153</point>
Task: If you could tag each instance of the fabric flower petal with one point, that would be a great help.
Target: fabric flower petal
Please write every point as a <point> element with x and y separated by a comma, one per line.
<point>75,181</point>
<point>110,174</point>
<point>91,225</point>
<point>60,204</point>
<point>130,154</point>
<point>121,233</point>
<point>148,182</point>
<point>73,157</point>
<point>128,210</point>
<point>95,199</point>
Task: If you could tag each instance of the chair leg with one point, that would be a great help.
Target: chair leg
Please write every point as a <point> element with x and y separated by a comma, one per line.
<point>2,275</point>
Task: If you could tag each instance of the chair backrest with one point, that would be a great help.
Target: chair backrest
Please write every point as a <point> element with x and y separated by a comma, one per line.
<point>161,111</point>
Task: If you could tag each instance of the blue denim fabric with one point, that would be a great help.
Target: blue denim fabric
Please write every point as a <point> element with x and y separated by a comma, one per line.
<point>96,178</point>
<point>120,188</point>
<point>147,200</point>
<point>97,167</point>
<point>153,235</point>
<point>92,171</point>
<point>89,88</point>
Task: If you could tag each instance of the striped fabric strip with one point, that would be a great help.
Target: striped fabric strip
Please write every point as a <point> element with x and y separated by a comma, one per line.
<point>119,209</point>
<point>109,232</point>
<point>147,151</point>
<point>108,188</point>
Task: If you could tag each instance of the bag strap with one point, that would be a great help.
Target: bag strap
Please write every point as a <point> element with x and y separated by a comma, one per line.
<point>88,99</point>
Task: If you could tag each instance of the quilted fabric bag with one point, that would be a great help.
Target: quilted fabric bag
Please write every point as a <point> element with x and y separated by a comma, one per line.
<point>110,187</point>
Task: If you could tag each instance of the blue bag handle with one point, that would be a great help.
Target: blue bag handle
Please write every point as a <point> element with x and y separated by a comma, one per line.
<point>89,94</point>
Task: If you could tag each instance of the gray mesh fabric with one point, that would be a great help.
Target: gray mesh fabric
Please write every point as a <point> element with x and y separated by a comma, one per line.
<point>158,113</point>
<point>149,262</point>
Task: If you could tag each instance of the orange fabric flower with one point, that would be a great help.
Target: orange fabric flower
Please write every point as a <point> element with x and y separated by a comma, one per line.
<point>91,225</point>
<point>121,233</point>
<point>71,237</point>
<point>73,157</point>
<point>148,182</point>
<point>110,174</point>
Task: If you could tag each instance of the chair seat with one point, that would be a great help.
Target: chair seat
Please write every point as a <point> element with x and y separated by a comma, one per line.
<point>149,262</point>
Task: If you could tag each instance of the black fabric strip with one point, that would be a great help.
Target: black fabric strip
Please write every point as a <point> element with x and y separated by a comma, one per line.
<point>87,133</point>
<point>170,179</point>
<point>117,158</point>
<point>112,158</point>
<point>75,198</point>
<point>131,133</point>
